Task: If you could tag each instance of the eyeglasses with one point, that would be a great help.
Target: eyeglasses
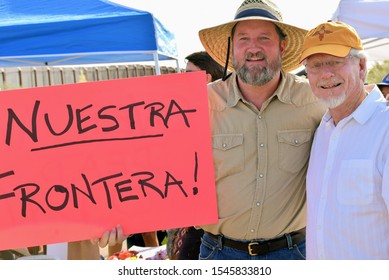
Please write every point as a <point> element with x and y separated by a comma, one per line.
<point>315,66</point>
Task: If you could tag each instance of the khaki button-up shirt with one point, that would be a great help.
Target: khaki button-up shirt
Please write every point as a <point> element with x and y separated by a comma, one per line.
<point>261,157</point>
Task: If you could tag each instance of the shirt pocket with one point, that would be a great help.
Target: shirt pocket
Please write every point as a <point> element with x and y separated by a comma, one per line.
<point>355,182</point>
<point>294,149</point>
<point>228,154</point>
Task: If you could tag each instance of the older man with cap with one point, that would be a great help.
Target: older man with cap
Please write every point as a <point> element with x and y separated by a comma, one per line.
<point>262,123</point>
<point>348,173</point>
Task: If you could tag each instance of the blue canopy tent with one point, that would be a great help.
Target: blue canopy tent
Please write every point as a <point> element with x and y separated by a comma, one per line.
<point>74,32</point>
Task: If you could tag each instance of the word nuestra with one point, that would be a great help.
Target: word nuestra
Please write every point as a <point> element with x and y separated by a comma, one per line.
<point>89,118</point>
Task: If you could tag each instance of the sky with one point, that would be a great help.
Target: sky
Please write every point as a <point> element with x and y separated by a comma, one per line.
<point>185,18</point>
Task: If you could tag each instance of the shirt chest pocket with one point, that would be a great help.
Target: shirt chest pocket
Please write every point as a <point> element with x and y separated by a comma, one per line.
<point>228,154</point>
<point>294,147</point>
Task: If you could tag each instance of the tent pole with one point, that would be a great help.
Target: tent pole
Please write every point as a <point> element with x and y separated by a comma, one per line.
<point>178,66</point>
<point>157,70</point>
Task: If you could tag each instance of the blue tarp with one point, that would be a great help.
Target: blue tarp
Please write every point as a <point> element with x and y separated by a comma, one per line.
<point>70,32</point>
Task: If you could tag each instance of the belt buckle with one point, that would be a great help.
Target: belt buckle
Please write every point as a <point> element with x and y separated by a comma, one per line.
<point>250,249</point>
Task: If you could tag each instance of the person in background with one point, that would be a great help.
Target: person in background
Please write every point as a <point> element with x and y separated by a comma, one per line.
<point>348,173</point>
<point>184,243</point>
<point>262,124</point>
<point>384,86</point>
<point>202,61</point>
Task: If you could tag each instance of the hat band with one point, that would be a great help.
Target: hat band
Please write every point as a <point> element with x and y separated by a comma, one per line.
<point>255,12</point>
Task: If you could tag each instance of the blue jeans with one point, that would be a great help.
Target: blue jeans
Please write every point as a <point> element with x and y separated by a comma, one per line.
<point>211,249</point>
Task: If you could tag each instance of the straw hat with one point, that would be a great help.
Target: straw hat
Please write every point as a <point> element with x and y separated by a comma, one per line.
<point>215,39</point>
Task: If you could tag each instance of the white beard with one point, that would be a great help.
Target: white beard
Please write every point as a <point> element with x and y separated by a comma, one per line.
<point>333,101</point>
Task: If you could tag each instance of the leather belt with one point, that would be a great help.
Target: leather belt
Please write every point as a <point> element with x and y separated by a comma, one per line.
<point>261,247</point>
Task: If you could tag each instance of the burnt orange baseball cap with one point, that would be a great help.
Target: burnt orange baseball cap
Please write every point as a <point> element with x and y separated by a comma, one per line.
<point>332,37</point>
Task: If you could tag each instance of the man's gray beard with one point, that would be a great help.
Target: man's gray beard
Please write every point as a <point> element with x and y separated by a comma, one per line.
<point>333,102</point>
<point>256,75</point>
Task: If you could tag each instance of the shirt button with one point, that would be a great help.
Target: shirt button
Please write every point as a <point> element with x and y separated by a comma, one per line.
<point>224,145</point>
<point>260,175</point>
<point>251,230</point>
<point>259,117</point>
<point>258,204</point>
<point>296,141</point>
<point>261,145</point>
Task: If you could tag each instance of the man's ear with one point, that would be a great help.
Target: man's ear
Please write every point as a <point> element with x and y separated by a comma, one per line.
<point>363,68</point>
<point>283,46</point>
<point>209,78</point>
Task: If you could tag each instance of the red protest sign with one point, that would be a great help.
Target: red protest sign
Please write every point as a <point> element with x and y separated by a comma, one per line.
<point>80,159</point>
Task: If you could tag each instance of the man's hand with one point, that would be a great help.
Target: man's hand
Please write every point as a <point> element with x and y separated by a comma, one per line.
<point>111,238</point>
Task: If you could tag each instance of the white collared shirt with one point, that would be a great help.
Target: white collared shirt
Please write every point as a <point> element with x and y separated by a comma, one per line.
<point>348,185</point>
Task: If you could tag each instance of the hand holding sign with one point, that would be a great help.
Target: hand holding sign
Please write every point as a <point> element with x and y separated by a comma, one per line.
<point>111,238</point>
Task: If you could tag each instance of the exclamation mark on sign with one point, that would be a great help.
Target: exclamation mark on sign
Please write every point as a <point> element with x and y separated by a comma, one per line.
<point>195,189</point>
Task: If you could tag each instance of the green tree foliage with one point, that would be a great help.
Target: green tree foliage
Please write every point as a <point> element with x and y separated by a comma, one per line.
<point>377,72</point>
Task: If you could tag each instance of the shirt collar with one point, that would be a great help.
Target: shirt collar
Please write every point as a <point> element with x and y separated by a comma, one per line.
<point>365,110</point>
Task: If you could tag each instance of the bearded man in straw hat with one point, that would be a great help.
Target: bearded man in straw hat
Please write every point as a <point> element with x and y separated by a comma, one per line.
<point>262,120</point>
<point>348,174</point>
